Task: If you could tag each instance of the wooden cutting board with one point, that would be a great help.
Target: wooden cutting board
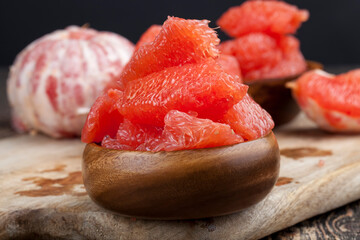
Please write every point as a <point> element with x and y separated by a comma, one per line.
<point>42,195</point>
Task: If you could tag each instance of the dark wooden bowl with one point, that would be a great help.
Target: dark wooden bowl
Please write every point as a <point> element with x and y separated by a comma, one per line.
<point>183,184</point>
<point>276,98</point>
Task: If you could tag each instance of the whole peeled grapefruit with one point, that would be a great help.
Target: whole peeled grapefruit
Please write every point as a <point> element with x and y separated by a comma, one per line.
<point>55,80</point>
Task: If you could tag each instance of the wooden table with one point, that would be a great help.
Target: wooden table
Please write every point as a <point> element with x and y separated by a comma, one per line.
<point>342,223</point>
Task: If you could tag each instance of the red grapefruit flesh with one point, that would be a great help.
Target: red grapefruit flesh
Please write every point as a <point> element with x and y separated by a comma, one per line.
<point>253,51</point>
<point>181,131</point>
<point>229,64</point>
<point>136,135</point>
<point>104,118</point>
<point>184,131</point>
<point>148,36</point>
<point>113,143</point>
<point>204,88</point>
<point>262,56</point>
<point>333,102</point>
<point>248,119</point>
<point>179,42</point>
<point>262,16</point>
<point>175,95</point>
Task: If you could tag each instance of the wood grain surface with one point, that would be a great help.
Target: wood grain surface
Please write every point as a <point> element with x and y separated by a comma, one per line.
<point>58,181</point>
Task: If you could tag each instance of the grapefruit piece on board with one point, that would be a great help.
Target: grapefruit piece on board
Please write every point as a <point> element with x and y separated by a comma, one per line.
<point>179,42</point>
<point>262,16</point>
<point>332,102</point>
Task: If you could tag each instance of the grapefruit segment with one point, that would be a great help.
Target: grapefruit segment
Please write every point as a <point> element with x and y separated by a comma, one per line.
<point>248,119</point>
<point>262,16</point>
<point>204,88</point>
<point>103,118</point>
<point>135,135</point>
<point>254,51</point>
<point>333,102</point>
<point>113,143</point>
<point>179,42</point>
<point>148,36</point>
<point>184,131</point>
<point>229,64</point>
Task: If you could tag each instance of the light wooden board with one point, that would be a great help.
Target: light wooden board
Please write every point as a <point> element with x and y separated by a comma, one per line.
<point>42,195</point>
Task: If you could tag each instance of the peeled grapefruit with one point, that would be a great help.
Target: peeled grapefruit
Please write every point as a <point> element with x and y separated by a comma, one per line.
<point>55,80</point>
<point>333,102</point>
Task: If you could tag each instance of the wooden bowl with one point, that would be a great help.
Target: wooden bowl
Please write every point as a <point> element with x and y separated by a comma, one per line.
<point>184,184</point>
<point>276,98</point>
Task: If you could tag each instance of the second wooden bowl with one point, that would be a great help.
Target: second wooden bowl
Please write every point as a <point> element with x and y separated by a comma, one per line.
<point>183,184</point>
<point>276,98</point>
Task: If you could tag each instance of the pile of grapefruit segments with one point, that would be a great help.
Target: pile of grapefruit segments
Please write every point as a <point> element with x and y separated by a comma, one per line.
<point>174,95</point>
<point>263,45</point>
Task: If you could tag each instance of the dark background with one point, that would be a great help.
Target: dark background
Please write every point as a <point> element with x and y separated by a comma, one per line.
<point>331,36</point>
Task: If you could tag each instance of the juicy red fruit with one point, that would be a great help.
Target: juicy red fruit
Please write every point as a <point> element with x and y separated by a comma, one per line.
<point>261,56</point>
<point>230,65</point>
<point>148,36</point>
<point>183,131</point>
<point>340,93</point>
<point>104,118</point>
<point>197,42</point>
<point>175,95</point>
<point>262,16</point>
<point>248,119</point>
<point>204,88</point>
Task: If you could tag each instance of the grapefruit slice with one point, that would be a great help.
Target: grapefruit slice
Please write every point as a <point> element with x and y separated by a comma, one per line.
<point>333,102</point>
<point>248,119</point>
<point>103,118</point>
<point>204,88</point>
<point>179,42</point>
<point>262,16</point>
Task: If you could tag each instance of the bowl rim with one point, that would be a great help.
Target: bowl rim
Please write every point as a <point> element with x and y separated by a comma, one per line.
<point>96,145</point>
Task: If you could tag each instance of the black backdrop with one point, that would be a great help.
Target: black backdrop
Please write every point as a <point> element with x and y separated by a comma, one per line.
<point>330,36</point>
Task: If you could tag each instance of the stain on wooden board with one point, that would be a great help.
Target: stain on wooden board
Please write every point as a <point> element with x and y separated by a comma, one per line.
<point>302,152</point>
<point>54,187</point>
